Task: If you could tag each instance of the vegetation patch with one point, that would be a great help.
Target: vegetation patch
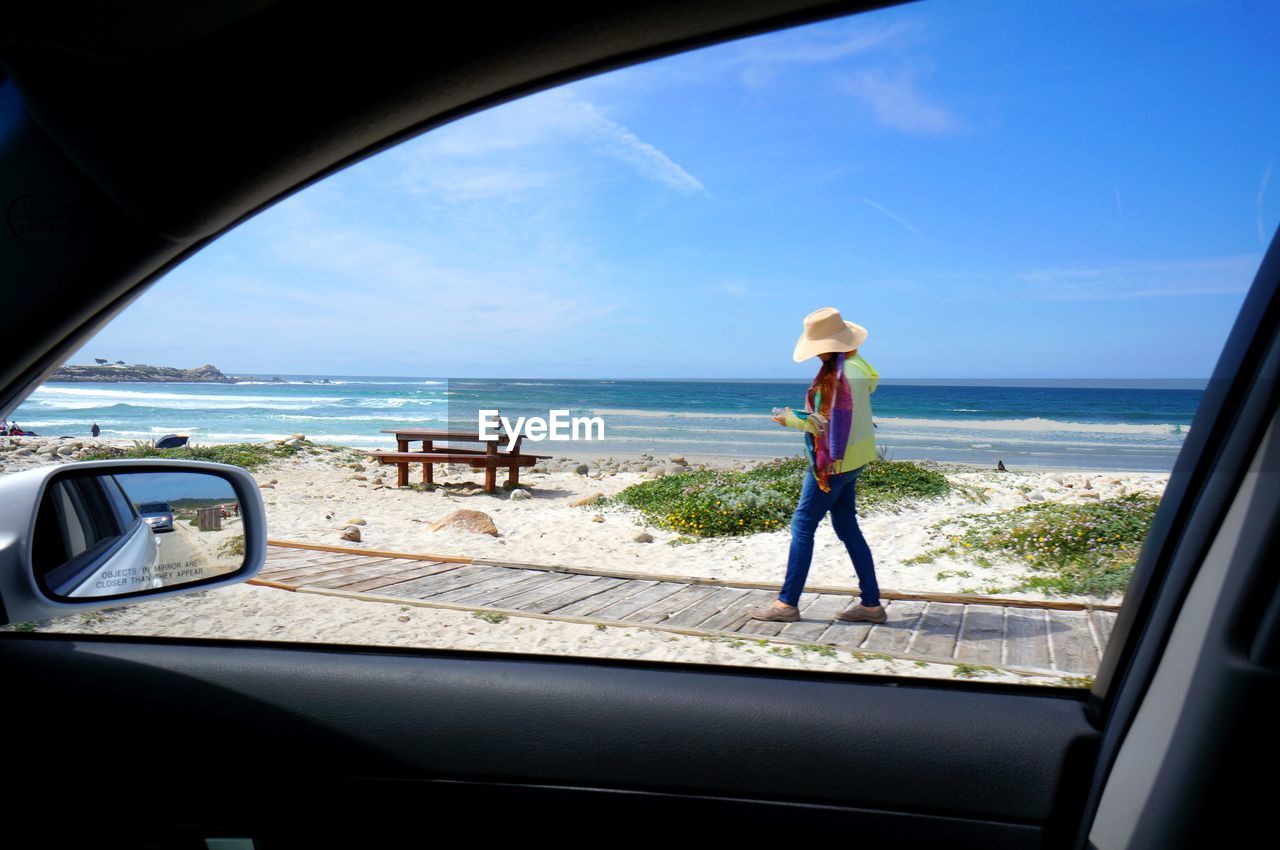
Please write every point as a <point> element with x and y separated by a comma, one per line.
<point>233,548</point>
<point>246,455</point>
<point>717,503</point>
<point>490,616</point>
<point>1087,548</point>
<point>1076,681</point>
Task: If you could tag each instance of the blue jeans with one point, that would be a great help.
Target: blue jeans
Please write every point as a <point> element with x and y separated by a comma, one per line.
<point>810,510</point>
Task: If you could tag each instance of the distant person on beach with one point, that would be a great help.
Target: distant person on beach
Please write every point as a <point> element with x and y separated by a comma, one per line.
<point>95,431</point>
<point>840,441</point>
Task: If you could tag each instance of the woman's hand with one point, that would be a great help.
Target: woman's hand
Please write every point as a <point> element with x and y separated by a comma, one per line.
<point>781,416</point>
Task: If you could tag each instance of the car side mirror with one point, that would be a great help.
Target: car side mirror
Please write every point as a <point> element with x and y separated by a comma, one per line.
<point>86,535</point>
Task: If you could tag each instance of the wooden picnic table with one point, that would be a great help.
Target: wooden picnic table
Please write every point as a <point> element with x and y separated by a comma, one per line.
<point>488,458</point>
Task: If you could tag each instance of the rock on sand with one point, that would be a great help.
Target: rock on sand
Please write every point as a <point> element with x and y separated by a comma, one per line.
<point>478,522</point>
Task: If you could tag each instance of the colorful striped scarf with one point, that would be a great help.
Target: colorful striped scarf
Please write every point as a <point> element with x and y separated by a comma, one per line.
<point>834,418</point>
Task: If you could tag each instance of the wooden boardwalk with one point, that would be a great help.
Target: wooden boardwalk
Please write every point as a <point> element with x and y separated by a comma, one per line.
<point>1041,638</point>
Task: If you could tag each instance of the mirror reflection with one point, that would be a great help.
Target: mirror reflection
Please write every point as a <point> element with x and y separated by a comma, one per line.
<point>100,534</point>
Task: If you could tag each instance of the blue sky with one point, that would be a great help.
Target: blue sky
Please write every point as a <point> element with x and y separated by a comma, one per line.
<point>1011,189</point>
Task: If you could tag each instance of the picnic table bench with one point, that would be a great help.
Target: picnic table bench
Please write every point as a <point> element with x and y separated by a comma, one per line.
<point>489,458</point>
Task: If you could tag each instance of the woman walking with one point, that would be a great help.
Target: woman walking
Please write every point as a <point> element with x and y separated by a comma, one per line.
<point>841,442</point>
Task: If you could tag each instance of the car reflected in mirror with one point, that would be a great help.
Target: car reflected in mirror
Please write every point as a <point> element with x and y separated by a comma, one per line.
<point>112,531</point>
<point>99,534</point>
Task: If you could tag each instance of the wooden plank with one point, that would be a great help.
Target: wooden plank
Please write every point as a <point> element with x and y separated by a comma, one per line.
<point>590,607</point>
<point>628,606</point>
<point>672,604</point>
<point>277,585</point>
<point>817,618</point>
<point>711,605</point>
<point>773,627</point>
<point>1072,643</point>
<point>569,595</point>
<point>377,583</point>
<point>1026,639</point>
<point>489,586</point>
<point>375,598</point>
<point>322,571</point>
<point>368,563</point>
<point>309,559</point>
<point>408,434</point>
<point>423,588</point>
<point>541,591</point>
<point>309,569</point>
<point>846,635</point>
<point>318,569</point>
<point>981,635</point>
<point>476,460</point>
<point>433,586</point>
<point>401,571</point>
<point>937,631</point>
<point>890,596</point>
<point>895,634</point>
<point>493,596</point>
<point>733,618</point>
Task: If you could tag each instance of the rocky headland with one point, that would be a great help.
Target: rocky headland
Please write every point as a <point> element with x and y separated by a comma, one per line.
<point>142,373</point>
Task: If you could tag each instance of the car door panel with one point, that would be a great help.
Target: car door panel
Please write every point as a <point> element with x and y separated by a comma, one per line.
<point>881,755</point>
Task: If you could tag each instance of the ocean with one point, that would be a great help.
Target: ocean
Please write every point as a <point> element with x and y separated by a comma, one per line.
<point>1101,427</point>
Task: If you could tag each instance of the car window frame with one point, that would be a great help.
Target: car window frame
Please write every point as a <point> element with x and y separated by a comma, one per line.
<point>1195,468</point>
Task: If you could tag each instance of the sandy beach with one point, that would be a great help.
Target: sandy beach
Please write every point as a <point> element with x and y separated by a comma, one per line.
<point>316,495</point>
<point>311,502</point>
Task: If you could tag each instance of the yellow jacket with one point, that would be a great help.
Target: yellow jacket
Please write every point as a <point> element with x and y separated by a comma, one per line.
<point>861,449</point>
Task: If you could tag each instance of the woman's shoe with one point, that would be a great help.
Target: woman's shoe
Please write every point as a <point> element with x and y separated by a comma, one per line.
<point>774,612</point>
<point>862,614</point>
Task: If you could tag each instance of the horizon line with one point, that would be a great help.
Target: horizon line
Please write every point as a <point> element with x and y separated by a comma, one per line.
<point>757,380</point>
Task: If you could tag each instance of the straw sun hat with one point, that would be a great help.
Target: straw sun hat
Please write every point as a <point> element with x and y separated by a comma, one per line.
<point>825,330</point>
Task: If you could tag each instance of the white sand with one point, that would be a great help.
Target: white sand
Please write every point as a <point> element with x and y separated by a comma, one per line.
<point>309,499</point>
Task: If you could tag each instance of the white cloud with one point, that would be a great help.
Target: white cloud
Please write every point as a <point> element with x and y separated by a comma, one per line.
<point>458,161</point>
<point>615,140</point>
<point>896,103</point>
<point>765,58</point>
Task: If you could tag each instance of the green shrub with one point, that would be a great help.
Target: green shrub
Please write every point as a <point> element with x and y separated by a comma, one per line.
<point>232,548</point>
<point>247,455</point>
<point>714,503</point>
<point>1087,548</point>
